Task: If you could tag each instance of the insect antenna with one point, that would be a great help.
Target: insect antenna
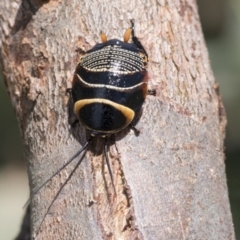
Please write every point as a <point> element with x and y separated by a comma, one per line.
<point>108,164</point>
<point>64,184</point>
<point>59,170</point>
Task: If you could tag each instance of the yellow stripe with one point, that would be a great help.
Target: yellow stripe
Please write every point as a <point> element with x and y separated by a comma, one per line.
<point>127,112</point>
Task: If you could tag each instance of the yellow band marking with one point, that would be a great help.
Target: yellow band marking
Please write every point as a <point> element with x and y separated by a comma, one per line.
<point>127,112</point>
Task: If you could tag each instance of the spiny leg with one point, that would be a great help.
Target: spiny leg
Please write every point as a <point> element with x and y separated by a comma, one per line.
<point>108,164</point>
<point>58,192</point>
<point>59,170</point>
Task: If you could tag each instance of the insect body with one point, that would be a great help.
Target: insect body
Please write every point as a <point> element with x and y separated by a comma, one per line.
<point>110,85</point>
<point>108,90</point>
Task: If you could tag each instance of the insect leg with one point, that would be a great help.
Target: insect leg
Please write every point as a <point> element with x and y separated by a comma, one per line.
<point>136,131</point>
<point>152,92</point>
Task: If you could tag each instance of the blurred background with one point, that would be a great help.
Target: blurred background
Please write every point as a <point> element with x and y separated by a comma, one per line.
<point>221,25</point>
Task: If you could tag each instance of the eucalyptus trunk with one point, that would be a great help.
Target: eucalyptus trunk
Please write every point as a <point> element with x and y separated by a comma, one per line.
<point>170,180</point>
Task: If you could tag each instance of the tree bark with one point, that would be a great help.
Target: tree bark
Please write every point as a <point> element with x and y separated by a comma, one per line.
<point>170,181</point>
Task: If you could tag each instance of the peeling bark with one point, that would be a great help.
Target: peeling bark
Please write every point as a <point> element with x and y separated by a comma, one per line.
<point>170,180</point>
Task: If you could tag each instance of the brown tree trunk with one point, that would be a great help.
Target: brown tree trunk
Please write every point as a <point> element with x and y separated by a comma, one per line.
<point>170,180</point>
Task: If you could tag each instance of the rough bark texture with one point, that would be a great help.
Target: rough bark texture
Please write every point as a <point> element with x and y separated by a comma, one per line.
<point>170,180</point>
